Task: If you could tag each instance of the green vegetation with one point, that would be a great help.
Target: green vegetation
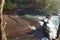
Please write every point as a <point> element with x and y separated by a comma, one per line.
<point>46,5</point>
<point>8,4</point>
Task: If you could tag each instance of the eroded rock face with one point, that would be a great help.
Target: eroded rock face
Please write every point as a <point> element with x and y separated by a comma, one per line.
<point>17,26</point>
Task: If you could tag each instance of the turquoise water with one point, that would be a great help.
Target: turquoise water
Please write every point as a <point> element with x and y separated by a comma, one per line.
<point>55,19</point>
